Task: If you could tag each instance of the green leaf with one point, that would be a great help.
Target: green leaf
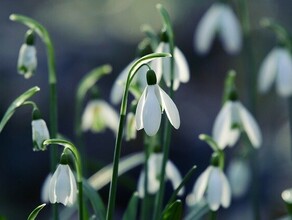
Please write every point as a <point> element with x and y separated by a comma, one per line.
<point>151,35</point>
<point>174,211</point>
<point>197,211</point>
<point>17,103</point>
<point>95,200</point>
<point>229,85</point>
<point>35,212</point>
<point>210,141</point>
<point>131,211</point>
<point>185,179</point>
<point>103,176</point>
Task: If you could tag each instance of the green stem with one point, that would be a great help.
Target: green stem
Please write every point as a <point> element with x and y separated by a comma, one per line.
<point>213,215</point>
<point>167,132</point>
<point>118,143</point>
<point>145,201</point>
<point>44,35</point>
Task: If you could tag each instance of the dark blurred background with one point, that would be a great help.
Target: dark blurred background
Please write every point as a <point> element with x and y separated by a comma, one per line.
<point>89,33</point>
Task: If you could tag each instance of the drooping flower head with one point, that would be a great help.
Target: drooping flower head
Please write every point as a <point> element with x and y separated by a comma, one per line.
<point>152,103</point>
<point>162,66</point>
<point>154,169</point>
<point>277,66</point>
<point>63,188</point>
<point>213,186</point>
<point>40,131</point>
<point>233,119</point>
<point>27,60</point>
<point>221,20</point>
<point>99,115</point>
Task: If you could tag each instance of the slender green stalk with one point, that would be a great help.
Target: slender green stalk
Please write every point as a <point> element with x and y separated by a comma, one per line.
<point>145,201</point>
<point>167,131</point>
<point>213,215</point>
<point>44,35</point>
<point>78,165</point>
<point>118,143</point>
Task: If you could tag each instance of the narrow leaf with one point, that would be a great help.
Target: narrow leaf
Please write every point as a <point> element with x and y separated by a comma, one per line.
<point>103,176</point>
<point>151,34</point>
<point>17,103</point>
<point>131,211</point>
<point>35,212</point>
<point>95,200</point>
<point>174,211</point>
<point>181,185</point>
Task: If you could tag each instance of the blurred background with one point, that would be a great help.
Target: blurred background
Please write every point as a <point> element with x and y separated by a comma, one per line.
<point>90,33</point>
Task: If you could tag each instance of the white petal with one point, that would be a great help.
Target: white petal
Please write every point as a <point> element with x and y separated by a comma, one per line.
<point>201,184</point>
<point>173,174</point>
<point>118,86</point>
<point>214,190</point>
<point>250,126</point>
<point>222,126</point>
<point>182,65</point>
<point>226,191</point>
<point>27,58</point>
<point>151,112</point>
<point>170,108</point>
<point>40,132</point>
<point>206,30</point>
<point>230,31</point>
<point>52,191</point>
<point>109,115</point>
<point>62,187</point>
<point>267,72</point>
<point>139,109</point>
<point>73,188</point>
<point>284,76</point>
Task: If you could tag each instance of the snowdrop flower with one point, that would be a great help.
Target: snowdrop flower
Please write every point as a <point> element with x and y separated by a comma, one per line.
<point>277,66</point>
<point>40,133</point>
<point>214,185</point>
<point>239,176</point>
<point>98,115</point>
<point>162,66</point>
<point>152,103</point>
<point>63,187</point>
<point>218,19</point>
<point>154,169</point>
<point>231,120</point>
<point>27,60</point>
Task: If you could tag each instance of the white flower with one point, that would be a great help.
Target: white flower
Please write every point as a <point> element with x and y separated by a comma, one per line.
<point>152,103</point>
<point>98,115</point>
<point>40,133</point>
<point>118,86</point>
<point>63,187</point>
<point>277,66</point>
<point>214,185</point>
<point>131,131</point>
<point>46,189</point>
<point>239,176</point>
<point>27,60</point>
<point>154,169</point>
<point>218,19</point>
<point>231,120</point>
<point>162,66</point>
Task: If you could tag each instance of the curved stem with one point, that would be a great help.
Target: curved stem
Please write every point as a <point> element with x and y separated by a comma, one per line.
<point>44,35</point>
<point>78,165</point>
<point>118,143</point>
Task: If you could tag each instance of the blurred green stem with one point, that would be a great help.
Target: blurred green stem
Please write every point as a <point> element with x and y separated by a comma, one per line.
<point>252,94</point>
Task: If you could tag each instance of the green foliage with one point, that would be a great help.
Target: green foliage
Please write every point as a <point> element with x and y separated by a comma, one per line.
<point>131,211</point>
<point>35,212</point>
<point>174,211</point>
